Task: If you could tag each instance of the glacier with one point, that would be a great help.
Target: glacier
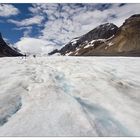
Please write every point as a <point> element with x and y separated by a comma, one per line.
<point>70,96</point>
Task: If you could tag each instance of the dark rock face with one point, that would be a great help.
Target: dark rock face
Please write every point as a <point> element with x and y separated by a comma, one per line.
<point>5,50</point>
<point>53,52</point>
<point>108,40</point>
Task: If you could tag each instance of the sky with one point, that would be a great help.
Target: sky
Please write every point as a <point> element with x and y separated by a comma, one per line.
<point>40,28</point>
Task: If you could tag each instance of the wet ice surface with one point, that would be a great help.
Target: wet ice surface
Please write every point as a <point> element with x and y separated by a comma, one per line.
<point>70,96</point>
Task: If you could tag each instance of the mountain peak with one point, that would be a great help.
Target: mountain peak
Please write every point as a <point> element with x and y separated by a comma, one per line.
<point>6,50</point>
<point>103,31</point>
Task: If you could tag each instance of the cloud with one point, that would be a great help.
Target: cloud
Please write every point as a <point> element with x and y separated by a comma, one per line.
<point>66,21</point>
<point>29,21</point>
<point>26,30</point>
<point>7,10</point>
<point>63,22</point>
<point>30,45</point>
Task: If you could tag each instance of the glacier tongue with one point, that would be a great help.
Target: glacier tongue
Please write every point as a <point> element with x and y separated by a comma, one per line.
<point>70,96</point>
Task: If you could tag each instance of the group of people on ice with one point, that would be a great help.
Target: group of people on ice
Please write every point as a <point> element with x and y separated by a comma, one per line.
<point>25,55</point>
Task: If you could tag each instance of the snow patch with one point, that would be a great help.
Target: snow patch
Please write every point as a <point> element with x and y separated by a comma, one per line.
<point>110,44</point>
<point>87,46</point>
<point>74,41</point>
<point>67,54</point>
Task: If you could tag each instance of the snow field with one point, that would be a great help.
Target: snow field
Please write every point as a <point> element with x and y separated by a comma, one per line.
<point>70,96</point>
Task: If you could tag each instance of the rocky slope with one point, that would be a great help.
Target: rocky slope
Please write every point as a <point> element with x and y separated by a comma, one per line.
<point>108,40</point>
<point>6,50</point>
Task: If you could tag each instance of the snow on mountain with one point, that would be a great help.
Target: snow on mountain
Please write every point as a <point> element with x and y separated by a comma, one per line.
<point>74,41</point>
<point>70,96</point>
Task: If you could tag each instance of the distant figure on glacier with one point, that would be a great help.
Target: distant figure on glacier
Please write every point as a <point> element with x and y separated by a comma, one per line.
<point>25,55</point>
<point>34,56</point>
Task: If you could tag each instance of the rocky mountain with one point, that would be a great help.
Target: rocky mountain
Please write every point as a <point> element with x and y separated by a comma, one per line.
<point>6,50</point>
<point>107,40</point>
